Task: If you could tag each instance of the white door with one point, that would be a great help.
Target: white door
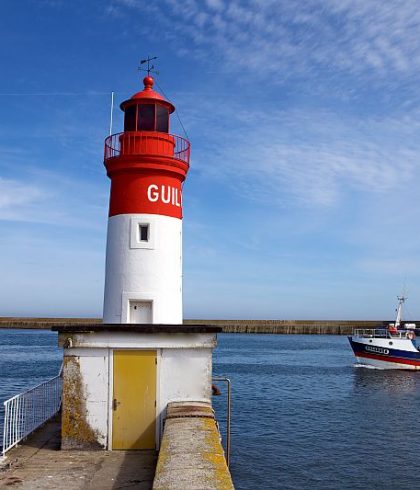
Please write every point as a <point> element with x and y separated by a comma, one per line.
<point>140,312</point>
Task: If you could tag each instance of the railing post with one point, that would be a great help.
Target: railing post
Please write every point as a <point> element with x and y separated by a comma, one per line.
<point>228,416</point>
<point>6,421</point>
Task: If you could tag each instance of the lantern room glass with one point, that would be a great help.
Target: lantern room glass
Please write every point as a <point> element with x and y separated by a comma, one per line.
<point>146,117</point>
<point>130,118</point>
<point>162,119</point>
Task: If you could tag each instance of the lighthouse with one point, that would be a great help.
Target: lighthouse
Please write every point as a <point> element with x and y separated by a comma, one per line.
<point>120,376</point>
<point>147,166</point>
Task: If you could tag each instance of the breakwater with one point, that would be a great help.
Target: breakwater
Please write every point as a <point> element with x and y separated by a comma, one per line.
<point>44,323</point>
<point>323,327</point>
<point>320,327</point>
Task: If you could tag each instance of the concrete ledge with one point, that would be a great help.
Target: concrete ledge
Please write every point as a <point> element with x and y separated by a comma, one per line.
<point>191,456</point>
<point>137,328</point>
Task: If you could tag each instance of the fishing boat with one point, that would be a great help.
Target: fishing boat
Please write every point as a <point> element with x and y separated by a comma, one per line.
<point>390,347</point>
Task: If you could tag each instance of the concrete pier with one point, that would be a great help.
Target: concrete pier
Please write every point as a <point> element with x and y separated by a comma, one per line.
<point>38,463</point>
<point>191,457</point>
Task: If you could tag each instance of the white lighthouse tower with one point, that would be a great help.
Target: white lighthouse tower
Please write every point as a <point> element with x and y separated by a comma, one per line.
<point>147,166</point>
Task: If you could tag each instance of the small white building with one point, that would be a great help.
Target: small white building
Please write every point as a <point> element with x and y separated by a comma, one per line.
<point>118,380</point>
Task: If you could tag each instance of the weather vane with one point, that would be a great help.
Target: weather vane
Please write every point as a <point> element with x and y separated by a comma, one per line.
<point>150,68</point>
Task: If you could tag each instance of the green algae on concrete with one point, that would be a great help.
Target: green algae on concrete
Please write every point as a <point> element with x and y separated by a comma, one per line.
<point>76,433</point>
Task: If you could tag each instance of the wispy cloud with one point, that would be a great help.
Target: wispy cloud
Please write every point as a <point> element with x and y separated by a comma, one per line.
<point>287,39</point>
<point>52,198</point>
<point>14,195</point>
<point>304,157</point>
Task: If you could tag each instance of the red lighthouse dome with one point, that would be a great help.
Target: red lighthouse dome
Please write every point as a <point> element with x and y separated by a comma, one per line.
<point>148,95</point>
<point>147,166</point>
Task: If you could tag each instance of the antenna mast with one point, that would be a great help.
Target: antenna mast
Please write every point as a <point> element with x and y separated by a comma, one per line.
<point>111,114</point>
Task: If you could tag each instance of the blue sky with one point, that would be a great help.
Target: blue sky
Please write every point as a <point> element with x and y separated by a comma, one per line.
<point>304,116</point>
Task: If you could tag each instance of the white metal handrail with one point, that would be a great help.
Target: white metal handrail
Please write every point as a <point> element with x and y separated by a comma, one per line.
<point>380,333</point>
<point>371,332</point>
<point>27,411</point>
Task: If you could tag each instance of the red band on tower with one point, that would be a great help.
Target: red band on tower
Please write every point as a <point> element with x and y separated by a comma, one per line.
<point>145,163</point>
<point>143,193</point>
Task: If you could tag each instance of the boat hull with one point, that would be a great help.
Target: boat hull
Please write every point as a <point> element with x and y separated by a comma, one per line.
<point>384,357</point>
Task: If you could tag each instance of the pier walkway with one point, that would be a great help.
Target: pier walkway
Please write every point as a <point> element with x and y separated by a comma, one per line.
<point>38,463</point>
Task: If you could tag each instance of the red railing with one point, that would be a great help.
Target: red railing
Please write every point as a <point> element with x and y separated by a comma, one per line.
<point>142,143</point>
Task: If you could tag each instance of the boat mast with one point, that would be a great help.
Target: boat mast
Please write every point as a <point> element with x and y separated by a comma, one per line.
<point>401,300</point>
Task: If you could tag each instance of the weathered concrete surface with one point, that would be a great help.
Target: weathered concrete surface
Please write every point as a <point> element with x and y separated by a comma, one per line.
<point>39,464</point>
<point>191,456</point>
<point>76,433</point>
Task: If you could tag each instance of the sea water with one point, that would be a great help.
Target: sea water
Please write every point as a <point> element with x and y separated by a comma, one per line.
<point>303,416</point>
<point>27,358</point>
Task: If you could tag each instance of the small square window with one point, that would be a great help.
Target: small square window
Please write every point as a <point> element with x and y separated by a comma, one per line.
<point>143,233</point>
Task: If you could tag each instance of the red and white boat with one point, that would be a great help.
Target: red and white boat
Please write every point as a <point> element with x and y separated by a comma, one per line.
<point>391,347</point>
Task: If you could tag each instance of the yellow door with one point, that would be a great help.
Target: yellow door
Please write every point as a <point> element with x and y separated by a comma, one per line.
<point>134,400</point>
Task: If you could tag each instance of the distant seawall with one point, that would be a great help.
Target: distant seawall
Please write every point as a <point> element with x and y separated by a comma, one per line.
<point>44,323</point>
<point>324,327</point>
<point>320,327</point>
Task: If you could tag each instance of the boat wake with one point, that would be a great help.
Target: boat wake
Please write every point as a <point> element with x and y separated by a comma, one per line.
<point>367,366</point>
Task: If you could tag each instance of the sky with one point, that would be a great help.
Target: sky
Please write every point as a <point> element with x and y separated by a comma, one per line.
<point>302,200</point>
